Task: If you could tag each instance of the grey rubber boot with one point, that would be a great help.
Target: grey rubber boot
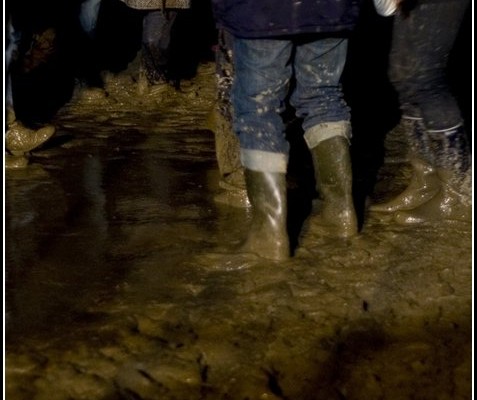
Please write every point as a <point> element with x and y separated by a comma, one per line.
<point>453,200</point>
<point>335,214</point>
<point>267,237</point>
<point>424,183</point>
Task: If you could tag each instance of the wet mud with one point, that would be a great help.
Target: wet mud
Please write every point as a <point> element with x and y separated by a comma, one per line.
<point>120,282</point>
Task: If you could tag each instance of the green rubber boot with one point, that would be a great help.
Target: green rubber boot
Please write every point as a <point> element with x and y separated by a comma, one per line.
<point>20,139</point>
<point>424,183</point>
<point>334,215</point>
<point>453,162</point>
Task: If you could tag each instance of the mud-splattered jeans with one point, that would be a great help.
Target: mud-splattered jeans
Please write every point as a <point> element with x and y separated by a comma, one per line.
<point>264,69</point>
<point>418,61</point>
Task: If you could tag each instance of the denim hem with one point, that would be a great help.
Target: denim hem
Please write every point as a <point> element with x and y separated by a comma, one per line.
<point>321,132</point>
<point>264,161</point>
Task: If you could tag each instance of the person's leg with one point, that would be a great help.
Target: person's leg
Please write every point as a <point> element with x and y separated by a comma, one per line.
<point>19,139</point>
<point>262,77</point>
<point>318,99</point>
<point>13,38</point>
<point>156,38</point>
<point>261,82</point>
<point>227,147</point>
<point>421,46</point>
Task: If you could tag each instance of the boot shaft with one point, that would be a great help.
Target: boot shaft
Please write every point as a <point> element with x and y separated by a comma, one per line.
<point>417,140</point>
<point>333,170</point>
<point>451,149</point>
<point>334,183</point>
<point>267,193</point>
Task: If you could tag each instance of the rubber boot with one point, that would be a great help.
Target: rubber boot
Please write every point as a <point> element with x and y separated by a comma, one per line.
<point>20,140</point>
<point>335,215</point>
<point>268,237</point>
<point>424,183</point>
<point>453,165</point>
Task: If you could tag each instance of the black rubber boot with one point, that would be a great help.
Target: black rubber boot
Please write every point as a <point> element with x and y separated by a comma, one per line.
<point>335,214</point>
<point>268,237</point>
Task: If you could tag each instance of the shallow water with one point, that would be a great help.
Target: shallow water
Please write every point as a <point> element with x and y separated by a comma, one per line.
<point>120,282</point>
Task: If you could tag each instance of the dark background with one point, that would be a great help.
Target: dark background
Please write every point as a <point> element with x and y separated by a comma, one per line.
<point>77,59</point>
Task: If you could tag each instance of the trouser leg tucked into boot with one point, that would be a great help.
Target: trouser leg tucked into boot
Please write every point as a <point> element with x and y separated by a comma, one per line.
<point>424,183</point>
<point>453,165</point>
<point>268,236</point>
<point>335,215</point>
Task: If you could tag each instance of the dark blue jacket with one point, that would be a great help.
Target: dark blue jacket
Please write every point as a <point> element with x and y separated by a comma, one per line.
<point>268,18</point>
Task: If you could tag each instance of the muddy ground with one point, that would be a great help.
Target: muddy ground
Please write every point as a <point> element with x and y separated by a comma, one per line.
<point>121,283</point>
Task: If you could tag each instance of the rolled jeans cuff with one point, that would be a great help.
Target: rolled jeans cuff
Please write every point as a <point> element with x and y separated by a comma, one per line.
<point>321,132</point>
<point>264,161</point>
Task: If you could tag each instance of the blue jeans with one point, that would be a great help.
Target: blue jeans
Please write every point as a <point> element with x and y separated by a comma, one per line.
<point>264,69</point>
<point>418,60</point>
